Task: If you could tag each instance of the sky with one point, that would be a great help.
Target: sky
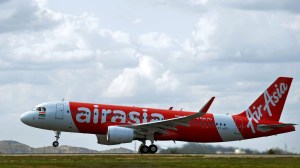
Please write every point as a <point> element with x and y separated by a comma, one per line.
<point>157,53</point>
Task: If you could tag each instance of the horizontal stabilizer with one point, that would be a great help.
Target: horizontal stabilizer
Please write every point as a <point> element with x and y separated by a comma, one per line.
<point>265,128</point>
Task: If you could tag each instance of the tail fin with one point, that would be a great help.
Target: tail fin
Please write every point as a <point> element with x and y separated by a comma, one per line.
<point>269,105</point>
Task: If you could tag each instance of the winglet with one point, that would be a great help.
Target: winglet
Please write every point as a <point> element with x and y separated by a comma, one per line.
<point>205,108</point>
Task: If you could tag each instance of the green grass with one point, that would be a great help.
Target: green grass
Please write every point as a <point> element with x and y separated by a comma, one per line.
<point>145,161</point>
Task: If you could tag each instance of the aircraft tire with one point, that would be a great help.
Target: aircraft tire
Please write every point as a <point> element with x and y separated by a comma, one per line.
<point>144,149</point>
<point>152,149</point>
<point>55,144</point>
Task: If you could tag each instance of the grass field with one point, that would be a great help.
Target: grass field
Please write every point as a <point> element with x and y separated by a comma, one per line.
<point>145,161</point>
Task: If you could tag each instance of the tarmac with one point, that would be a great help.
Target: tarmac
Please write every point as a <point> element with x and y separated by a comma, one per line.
<point>157,155</point>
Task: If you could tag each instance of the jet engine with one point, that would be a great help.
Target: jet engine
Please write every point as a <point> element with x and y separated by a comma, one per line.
<point>117,134</point>
<point>102,139</point>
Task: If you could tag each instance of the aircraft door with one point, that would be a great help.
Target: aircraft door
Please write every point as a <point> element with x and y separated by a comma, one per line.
<point>59,111</point>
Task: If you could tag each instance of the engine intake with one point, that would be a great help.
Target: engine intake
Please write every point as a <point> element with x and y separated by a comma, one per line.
<point>117,135</point>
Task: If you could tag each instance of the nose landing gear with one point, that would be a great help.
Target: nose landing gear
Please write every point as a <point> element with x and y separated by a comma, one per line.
<point>57,134</point>
<point>55,144</point>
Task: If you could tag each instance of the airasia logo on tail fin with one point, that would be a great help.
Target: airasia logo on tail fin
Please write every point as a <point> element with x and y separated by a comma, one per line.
<point>269,100</point>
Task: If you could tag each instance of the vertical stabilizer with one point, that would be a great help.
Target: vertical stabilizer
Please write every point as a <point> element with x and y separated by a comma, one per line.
<point>269,105</point>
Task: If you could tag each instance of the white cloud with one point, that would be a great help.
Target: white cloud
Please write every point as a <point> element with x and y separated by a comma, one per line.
<point>137,21</point>
<point>149,68</point>
<point>148,77</point>
<point>124,85</point>
<point>121,37</point>
<point>26,16</point>
<point>167,82</point>
<point>265,5</point>
<point>73,39</point>
<point>246,36</point>
<point>202,35</point>
<point>198,2</point>
<point>156,40</point>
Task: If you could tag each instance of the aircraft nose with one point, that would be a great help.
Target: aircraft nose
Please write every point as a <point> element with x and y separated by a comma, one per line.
<point>26,118</point>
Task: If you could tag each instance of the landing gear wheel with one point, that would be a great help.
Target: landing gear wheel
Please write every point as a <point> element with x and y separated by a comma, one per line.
<point>152,149</point>
<point>57,134</point>
<point>143,149</point>
<point>55,144</point>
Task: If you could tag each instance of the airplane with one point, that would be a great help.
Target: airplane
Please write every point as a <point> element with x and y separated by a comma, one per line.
<point>115,124</point>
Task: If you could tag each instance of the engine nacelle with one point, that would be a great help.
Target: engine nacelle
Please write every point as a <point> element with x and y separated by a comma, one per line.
<point>117,135</point>
<point>102,139</point>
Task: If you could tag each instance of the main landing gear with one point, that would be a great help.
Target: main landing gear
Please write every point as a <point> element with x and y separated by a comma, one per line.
<point>57,134</point>
<point>147,149</point>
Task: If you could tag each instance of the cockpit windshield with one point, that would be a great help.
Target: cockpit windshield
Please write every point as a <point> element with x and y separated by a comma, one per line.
<point>39,109</point>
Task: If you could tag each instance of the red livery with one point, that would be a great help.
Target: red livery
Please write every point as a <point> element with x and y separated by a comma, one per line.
<point>113,124</point>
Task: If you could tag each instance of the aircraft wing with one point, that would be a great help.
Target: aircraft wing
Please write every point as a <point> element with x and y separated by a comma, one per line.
<point>161,126</point>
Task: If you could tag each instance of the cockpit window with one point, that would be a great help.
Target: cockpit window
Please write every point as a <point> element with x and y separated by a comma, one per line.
<point>39,109</point>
